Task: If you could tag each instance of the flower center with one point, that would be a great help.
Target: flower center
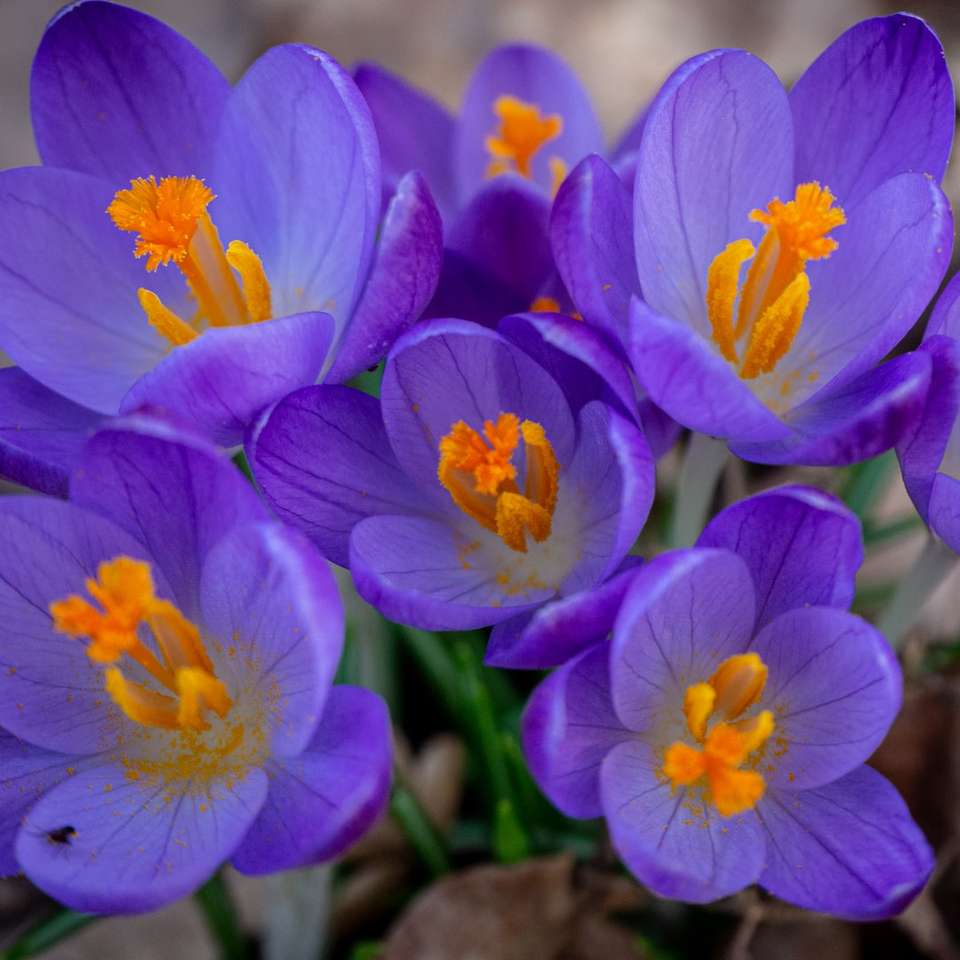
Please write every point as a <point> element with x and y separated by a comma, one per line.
<point>775,294</point>
<point>171,222</point>
<point>186,689</point>
<point>522,132</point>
<point>730,742</point>
<point>481,478</point>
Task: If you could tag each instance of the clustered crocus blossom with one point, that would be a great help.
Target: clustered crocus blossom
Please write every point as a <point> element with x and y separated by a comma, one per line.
<point>722,729</point>
<point>165,683</point>
<point>190,246</point>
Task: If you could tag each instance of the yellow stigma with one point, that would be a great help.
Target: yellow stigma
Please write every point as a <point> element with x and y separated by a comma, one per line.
<point>132,621</point>
<point>479,474</point>
<point>172,225</point>
<point>522,132</point>
<point>733,741</point>
<point>776,292</point>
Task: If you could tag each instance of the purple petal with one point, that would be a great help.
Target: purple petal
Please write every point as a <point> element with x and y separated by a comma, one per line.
<point>676,852</point>
<point>717,143</point>
<point>69,314</point>
<point>568,728</point>
<point>175,494</point>
<point>944,510</point>
<point>834,687</point>
<point>415,133</point>
<point>28,773</point>
<point>877,102</point>
<point>267,595</point>
<point>684,614</point>
<point>41,433</point>
<point>223,379</point>
<point>536,76</point>
<point>117,94</point>
<point>849,848</point>
<point>312,226</point>
<point>945,318</point>
<point>450,370</point>
<point>138,844</point>
<point>591,233</point>
<point>801,545</point>
<point>562,629</point>
<point>325,799</point>
<point>323,461</point>
<point>402,280</point>
<point>858,421</point>
<point>623,156</point>
<point>693,383</point>
<point>51,693</point>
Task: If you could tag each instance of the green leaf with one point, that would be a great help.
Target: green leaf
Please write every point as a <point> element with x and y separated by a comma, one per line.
<point>220,913</point>
<point>419,830</point>
<point>866,482</point>
<point>48,933</point>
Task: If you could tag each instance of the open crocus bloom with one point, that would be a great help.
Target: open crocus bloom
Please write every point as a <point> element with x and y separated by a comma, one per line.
<point>722,730</point>
<point>930,457</point>
<point>165,690</point>
<point>168,252</point>
<point>782,244</point>
<point>478,489</point>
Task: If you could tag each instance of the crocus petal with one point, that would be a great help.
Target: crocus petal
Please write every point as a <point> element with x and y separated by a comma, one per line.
<point>69,314</point>
<point>466,290</point>
<point>568,728</point>
<point>684,614</point>
<point>415,133</point>
<point>834,687</point>
<point>323,462</point>
<point>857,421</point>
<point>802,547</point>
<point>945,318</point>
<point>591,233</point>
<point>267,594</point>
<point>877,102</point>
<point>117,94</point>
<point>136,846</point>
<point>41,433</point>
<point>450,370</point>
<point>849,848</point>
<point>312,226</point>
<point>717,143</point>
<point>560,630</point>
<point>28,773</point>
<point>693,855</point>
<point>175,494</point>
<point>623,156</point>
<point>943,512</point>
<point>51,693</point>
<point>694,384</point>
<point>220,381</point>
<point>323,800</point>
<point>402,280</point>
<point>535,76</point>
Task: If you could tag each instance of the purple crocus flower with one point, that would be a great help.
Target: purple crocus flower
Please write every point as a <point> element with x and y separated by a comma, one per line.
<point>481,486</point>
<point>781,244</point>
<point>722,730</point>
<point>188,246</point>
<point>165,683</point>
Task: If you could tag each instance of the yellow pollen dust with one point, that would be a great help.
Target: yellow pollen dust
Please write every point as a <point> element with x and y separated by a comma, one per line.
<point>479,474</point>
<point>732,740</point>
<point>756,333</point>
<point>172,225</point>
<point>187,689</point>
<point>522,132</point>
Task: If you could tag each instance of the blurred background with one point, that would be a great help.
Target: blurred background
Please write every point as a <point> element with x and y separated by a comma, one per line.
<point>622,50</point>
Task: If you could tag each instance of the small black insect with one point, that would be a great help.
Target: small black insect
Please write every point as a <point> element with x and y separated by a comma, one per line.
<point>61,835</point>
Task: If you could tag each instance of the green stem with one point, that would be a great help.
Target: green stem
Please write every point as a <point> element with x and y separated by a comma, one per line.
<point>48,933</point>
<point>419,830</point>
<point>702,465</point>
<point>933,564</point>
<point>220,913</point>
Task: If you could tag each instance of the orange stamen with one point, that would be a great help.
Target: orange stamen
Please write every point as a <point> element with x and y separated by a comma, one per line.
<point>522,132</point>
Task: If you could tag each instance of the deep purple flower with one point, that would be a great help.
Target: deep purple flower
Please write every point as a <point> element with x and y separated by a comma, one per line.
<point>481,487</point>
<point>930,458</point>
<point>781,244</point>
<point>238,259</point>
<point>165,683</point>
<point>722,730</point>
